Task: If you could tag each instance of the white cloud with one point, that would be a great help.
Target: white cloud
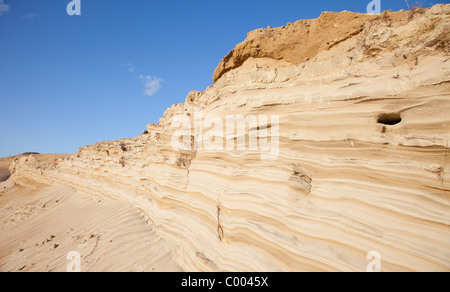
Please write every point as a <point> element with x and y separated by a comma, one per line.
<point>3,7</point>
<point>31,16</point>
<point>130,67</point>
<point>152,84</point>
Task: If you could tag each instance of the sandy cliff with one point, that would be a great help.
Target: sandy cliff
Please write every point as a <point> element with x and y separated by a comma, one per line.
<point>359,107</point>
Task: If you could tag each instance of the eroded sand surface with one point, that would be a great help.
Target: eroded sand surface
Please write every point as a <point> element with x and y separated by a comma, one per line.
<point>360,163</point>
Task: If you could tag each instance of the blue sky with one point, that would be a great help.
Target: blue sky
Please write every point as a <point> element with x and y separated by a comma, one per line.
<point>69,81</point>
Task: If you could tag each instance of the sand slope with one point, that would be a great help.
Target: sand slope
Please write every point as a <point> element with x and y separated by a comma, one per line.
<point>41,224</point>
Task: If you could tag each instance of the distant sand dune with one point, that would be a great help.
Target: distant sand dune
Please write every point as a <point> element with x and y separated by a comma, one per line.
<point>4,169</point>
